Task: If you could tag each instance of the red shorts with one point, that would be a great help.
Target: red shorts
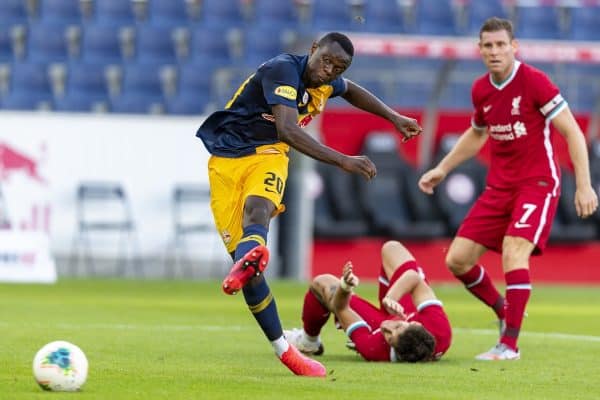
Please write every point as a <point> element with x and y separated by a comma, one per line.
<point>526,211</point>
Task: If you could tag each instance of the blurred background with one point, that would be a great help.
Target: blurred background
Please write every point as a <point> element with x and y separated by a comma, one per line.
<point>101,175</point>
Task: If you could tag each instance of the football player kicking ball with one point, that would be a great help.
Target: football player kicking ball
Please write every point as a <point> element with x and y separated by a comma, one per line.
<point>409,324</point>
<point>249,143</point>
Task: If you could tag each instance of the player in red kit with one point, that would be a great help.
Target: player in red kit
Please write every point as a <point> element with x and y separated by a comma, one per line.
<point>409,324</point>
<point>514,107</point>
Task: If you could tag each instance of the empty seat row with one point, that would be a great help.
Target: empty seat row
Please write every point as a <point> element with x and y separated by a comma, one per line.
<point>391,205</point>
<point>98,43</point>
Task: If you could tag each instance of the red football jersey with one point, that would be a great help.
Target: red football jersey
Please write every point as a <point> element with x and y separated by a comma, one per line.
<point>517,115</point>
<point>370,342</point>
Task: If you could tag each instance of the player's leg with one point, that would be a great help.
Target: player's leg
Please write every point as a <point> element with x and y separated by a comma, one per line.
<point>263,187</point>
<point>527,232</point>
<point>315,314</point>
<point>462,261</point>
<point>482,229</point>
<point>395,260</point>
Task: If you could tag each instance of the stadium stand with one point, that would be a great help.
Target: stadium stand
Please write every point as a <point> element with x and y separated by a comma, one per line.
<point>337,216</point>
<point>63,12</point>
<point>242,34</point>
<point>385,198</point>
<point>584,23</point>
<point>538,22</point>
<point>458,191</point>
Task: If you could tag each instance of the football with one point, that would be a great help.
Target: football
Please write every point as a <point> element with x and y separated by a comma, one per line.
<point>60,366</point>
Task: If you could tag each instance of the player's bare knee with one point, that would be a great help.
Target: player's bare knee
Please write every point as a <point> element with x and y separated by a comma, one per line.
<point>320,282</point>
<point>394,254</point>
<point>457,264</point>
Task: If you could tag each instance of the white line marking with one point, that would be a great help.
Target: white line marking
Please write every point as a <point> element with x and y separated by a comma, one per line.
<point>541,335</point>
<point>219,328</point>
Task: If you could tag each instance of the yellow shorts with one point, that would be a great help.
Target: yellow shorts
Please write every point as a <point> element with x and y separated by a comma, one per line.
<point>232,180</point>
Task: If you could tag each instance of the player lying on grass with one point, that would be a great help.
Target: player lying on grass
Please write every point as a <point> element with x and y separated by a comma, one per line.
<point>409,324</point>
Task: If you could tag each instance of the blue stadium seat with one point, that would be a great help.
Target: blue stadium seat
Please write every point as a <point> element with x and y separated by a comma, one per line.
<point>60,11</point>
<point>87,79</point>
<point>29,87</point>
<point>478,11</point>
<point>540,22</point>
<point>12,12</point>
<point>47,43</point>
<point>155,45</point>
<point>168,13</point>
<point>101,44</point>
<point>187,104</point>
<point>142,79</point>
<point>582,94</point>
<point>456,96</point>
<point>136,103</point>
<point>210,43</point>
<point>222,13</point>
<point>114,12</point>
<point>196,78</point>
<point>79,102</point>
<point>435,17</point>
<point>365,61</point>
<point>383,16</point>
<point>280,13</point>
<point>261,43</point>
<point>24,100</point>
<point>585,23</point>
<point>330,15</point>
<point>6,53</point>
<point>32,77</point>
<point>412,94</point>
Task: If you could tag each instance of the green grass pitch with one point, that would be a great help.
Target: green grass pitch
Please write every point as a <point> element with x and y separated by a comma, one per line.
<point>186,340</point>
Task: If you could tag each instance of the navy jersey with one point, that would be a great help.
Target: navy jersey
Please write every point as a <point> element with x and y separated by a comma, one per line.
<point>247,121</point>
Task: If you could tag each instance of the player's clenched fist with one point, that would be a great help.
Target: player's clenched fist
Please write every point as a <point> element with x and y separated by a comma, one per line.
<point>359,165</point>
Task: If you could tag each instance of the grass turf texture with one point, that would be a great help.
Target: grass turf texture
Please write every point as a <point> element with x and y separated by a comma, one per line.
<point>186,340</point>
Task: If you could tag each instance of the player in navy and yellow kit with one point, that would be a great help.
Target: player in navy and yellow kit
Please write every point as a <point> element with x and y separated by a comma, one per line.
<point>249,141</point>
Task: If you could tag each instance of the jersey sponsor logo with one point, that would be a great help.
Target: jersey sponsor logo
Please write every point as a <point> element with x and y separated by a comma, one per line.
<point>487,108</point>
<point>519,128</point>
<point>507,132</point>
<point>516,103</point>
<point>287,92</point>
<point>268,117</point>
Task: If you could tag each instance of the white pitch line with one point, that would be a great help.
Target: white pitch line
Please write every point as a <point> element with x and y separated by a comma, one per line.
<point>541,335</point>
<point>219,328</point>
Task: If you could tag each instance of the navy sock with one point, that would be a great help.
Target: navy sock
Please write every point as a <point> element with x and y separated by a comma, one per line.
<point>261,303</point>
<point>257,292</point>
<point>254,235</point>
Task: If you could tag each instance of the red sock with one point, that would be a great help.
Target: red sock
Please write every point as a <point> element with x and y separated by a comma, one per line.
<point>478,282</point>
<point>314,314</point>
<point>518,289</point>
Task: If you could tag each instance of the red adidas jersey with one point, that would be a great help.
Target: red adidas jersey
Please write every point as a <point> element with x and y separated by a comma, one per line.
<point>517,115</point>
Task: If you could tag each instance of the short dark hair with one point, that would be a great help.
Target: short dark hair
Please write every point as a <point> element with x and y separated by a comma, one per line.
<point>495,24</point>
<point>415,344</point>
<point>340,39</point>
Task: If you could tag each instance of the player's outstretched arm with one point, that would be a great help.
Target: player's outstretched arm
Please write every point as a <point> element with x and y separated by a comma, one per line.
<point>361,98</point>
<point>341,298</point>
<point>586,199</point>
<point>286,121</point>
